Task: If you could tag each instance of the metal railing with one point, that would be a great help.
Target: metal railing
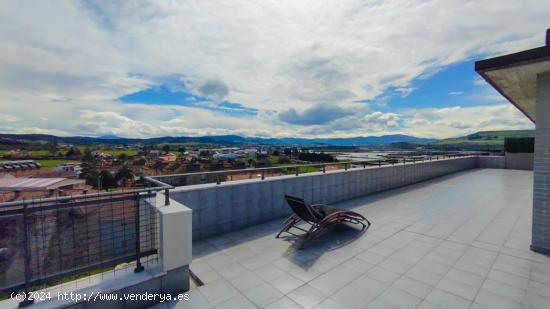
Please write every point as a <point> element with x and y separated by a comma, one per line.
<point>220,176</point>
<point>45,242</point>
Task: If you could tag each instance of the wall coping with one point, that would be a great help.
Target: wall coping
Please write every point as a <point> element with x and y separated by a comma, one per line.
<point>283,177</point>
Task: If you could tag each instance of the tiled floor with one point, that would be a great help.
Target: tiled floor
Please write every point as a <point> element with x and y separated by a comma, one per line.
<point>460,241</point>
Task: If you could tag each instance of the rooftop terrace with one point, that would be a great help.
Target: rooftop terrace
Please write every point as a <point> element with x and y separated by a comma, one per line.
<point>456,241</point>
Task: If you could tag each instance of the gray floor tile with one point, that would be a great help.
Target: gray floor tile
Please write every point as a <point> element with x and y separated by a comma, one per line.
<point>504,290</point>
<point>371,257</point>
<point>447,300</point>
<point>427,305</point>
<point>263,294</point>
<point>218,291</point>
<point>286,283</point>
<point>352,297</point>
<point>413,287</point>
<point>238,301</point>
<point>368,286</point>
<point>490,300</point>
<point>463,290</point>
<point>246,280</point>
<point>380,304</point>
<point>382,275</point>
<point>334,279</point>
<point>331,303</point>
<point>395,265</point>
<point>424,275</point>
<point>283,303</point>
<point>537,301</point>
<point>269,272</point>
<point>307,296</point>
<point>509,279</point>
<point>465,277</point>
<point>399,298</point>
<point>358,265</point>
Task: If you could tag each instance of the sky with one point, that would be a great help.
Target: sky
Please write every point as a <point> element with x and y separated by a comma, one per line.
<point>332,68</point>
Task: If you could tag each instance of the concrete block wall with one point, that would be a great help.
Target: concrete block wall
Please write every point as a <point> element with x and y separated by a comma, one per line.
<point>231,206</point>
<point>541,193</point>
<point>519,161</point>
<point>491,162</point>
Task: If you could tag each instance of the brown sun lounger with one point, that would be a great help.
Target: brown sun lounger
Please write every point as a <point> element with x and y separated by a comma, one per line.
<point>319,217</point>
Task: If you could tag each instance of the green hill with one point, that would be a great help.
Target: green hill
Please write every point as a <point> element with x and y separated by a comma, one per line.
<point>485,138</point>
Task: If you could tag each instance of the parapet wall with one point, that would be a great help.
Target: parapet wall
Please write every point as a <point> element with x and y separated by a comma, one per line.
<point>230,206</point>
<point>519,161</point>
<point>491,162</point>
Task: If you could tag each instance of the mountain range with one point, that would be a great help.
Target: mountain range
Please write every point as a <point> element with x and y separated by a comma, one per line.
<point>216,139</point>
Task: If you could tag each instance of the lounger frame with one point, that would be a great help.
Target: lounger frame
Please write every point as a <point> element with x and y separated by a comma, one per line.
<point>312,215</point>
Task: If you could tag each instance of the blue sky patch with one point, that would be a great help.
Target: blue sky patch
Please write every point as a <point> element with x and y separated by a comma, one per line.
<point>454,85</point>
<point>162,95</point>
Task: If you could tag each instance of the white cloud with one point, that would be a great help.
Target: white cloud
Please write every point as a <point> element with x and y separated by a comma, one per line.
<point>381,121</point>
<point>455,121</point>
<point>7,118</point>
<point>67,60</point>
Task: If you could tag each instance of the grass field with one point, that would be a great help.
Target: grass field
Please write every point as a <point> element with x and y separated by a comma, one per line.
<point>116,152</point>
<point>54,163</point>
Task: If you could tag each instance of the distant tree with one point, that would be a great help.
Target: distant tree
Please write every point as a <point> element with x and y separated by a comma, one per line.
<point>316,157</point>
<point>73,152</point>
<point>124,173</point>
<point>53,148</point>
<point>166,148</point>
<point>288,151</point>
<point>87,156</point>
<point>90,174</point>
<point>181,149</point>
<point>107,179</point>
<point>123,157</point>
<point>260,156</point>
<point>275,153</point>
<point>283,159</point>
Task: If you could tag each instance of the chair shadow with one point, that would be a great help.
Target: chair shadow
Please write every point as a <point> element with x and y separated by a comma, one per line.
<point>336,238</point>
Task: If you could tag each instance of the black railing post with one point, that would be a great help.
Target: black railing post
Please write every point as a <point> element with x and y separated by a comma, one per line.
<point>218,179</point>
<point>139,267</point>
<point>296,170</point>
<point>27,301</point>
<point>324,169</point>
<point>379,163</point>
<point>263,174</point>
<point>346,166</point>
<point>166,197</point>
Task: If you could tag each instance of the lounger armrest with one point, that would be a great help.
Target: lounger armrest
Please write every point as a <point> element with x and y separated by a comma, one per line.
<point>318,205</point>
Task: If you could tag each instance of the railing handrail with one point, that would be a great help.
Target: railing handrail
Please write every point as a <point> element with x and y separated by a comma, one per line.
<point>160,187</point>
<point>249,170</point>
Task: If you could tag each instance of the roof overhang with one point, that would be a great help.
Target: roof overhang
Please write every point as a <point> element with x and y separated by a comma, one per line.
<point>515,75</point>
